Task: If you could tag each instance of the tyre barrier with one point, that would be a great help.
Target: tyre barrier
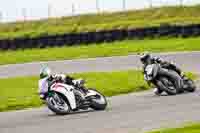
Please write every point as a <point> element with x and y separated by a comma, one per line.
<point>70,39</point>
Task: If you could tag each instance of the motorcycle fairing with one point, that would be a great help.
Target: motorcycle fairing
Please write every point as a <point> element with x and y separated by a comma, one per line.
<point>67,91</point>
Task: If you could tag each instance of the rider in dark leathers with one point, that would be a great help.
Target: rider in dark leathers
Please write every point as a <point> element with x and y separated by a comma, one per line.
<point>147,59</point>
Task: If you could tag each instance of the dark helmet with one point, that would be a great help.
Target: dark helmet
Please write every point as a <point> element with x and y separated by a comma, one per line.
<point>144,57</point>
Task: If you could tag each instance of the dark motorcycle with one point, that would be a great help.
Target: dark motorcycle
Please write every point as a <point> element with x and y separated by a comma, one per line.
<point>167,80</point>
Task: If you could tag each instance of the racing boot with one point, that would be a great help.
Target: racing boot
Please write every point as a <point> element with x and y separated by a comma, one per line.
<point>157,91</point>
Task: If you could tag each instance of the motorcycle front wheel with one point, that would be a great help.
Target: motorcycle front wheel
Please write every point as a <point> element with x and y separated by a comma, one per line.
<point>57,104</point>
<point>167,85</point>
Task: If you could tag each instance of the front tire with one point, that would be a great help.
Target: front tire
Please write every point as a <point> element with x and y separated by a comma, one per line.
<point>99,101</point>
<point>168,86</point>
<point>57,107</point>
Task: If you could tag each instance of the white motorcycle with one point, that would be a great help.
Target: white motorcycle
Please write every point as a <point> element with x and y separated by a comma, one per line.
<point>63,99</point>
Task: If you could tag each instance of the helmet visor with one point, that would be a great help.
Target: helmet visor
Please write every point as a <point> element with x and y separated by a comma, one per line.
<point>45,72</point>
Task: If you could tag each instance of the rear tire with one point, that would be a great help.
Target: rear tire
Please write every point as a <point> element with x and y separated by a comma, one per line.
<point>99,103</point>
<point>51,104</point>
<point>191,87</point>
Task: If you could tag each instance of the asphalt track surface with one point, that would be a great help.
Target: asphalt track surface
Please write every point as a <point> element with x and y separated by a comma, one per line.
<point>187,61</point>
<point>132,113</point>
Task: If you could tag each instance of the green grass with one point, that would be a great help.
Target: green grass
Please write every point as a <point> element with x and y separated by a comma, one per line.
<point>103,21</point>
<point>193,128</point>
<point>101,50</point>
<point>19,93</point>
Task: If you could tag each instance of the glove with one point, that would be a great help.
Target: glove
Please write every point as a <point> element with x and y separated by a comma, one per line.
<point>69,80</point>
<point>59,77</point>
<point>158,60</point>
<point>183,76</point>
<point>42,96</point>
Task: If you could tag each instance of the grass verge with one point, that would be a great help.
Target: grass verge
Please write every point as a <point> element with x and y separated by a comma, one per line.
<point>19,93</point>
<point>193,128</point>
<point>101,50</point>
<point>104,21</point>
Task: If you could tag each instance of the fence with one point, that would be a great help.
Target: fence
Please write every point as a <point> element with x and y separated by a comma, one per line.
<point>101,36</point>
<point>71,8</point>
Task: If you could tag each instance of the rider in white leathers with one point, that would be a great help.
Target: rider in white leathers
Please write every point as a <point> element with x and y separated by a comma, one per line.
<point>47,79</point>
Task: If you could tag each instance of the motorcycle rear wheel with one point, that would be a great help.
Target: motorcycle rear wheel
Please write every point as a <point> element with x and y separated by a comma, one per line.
<point>191,87</point>
<point>99,102</point>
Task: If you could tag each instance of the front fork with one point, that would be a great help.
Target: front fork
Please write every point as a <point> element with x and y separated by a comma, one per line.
<point>83,89</point>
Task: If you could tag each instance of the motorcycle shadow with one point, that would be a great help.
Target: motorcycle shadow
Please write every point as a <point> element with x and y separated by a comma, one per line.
<point>166,95</point>
<point>74,113</point>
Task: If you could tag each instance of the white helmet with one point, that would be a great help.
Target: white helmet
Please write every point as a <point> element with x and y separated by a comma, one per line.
<point>45,72</point>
